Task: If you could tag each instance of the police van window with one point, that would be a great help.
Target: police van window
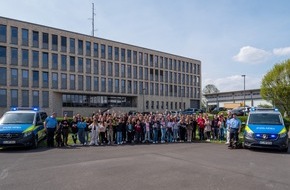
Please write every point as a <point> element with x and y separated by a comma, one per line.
<point>265,118</point>
<point>43,116</point>
<point>18,118</point>
<point>37,118</point>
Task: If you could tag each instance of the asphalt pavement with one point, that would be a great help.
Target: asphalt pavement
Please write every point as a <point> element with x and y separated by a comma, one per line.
<point>163,166</point>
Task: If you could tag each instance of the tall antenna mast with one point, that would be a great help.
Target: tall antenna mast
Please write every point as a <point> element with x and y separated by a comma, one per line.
<point>93,20</point>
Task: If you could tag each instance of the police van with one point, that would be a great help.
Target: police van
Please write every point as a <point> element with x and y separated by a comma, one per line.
<point>22,127</point>
<point>265,129</point>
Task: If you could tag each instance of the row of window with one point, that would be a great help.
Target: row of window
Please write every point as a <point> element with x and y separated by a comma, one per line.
<point>62,43</point>
<point>75,100</point>
<point>23,95</point>
<point>103,84</point>
<point>106,68</point>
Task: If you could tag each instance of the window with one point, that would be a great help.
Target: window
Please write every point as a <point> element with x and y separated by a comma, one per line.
<point>103,68</point>
<point>3,97</point>
<point>152,104</point>
<point>72,82</point>
<point>72,45</point>
<point>96,50</point>
<point>3,76</point>
<point>110,52</point>
<point>135,73</point>
<point>45,40</point>
<point>140,87</point>
<point>80,47</point>
<point>45,80</point>
<point>116,54</point>
<point>72,64</point>
<point>35,79</point>
<point>135,87</point>
<point>123,70</point>
<point>54,42</point>
<point>151,88</point>
<point>63,43</point>
<point>103,51</point>
<point>35,39</point>
<point>129,89</point>
<point>96,67</point>
<point>88,48</point>
<point>24,78</point>
<point>14,56</point>
<point>129,71</point>
<point>117,85</point>
<point>63,81</point>
<point>123,59</point>
<point>146,74</point>
<point>156,89</point>
<point>146,59</point>
<point>25,37</point>
<point>14,77</point>
<point>14,35</point>
<point>80,82</point>
<point>156,61</point>
<point>80,65</point>
<point>45,99</point>
<point>3,55</point>
<point>96,83</point>
<point>161,62</point>
<point>151,60</point>
<point>161,91</point>
<point>110,85</point>
<point>3,33</point>
<point>123,86</point>
<point>140,72</point>
<point>25,57</point>
<point>103,84</point>
<point>166,63</point>
<point>63,63</point>
<point>117,70</point>
<point>14,97</point>
<point>54,80</point>
<point>135,57</point>
<point>44,60</point>
<point>156,75</point>
<point>88,83</point>
<point>140,58</point>
<point>25,98</point>
<point>88,66</point>
<point>35,59</point>
<point>129,56</point>
<point>35,98</point>
<point>110,69</point>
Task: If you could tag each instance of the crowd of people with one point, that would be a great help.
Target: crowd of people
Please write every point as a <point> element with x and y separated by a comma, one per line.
<point>113,129</point>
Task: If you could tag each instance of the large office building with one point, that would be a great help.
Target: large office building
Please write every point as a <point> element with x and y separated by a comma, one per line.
<point>71,73</point>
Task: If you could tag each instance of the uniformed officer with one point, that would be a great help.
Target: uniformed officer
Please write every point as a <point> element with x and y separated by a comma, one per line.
<point>235,129</point>
<point>50,125</point>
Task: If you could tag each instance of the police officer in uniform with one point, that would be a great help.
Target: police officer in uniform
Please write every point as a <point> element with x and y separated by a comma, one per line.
<point>50,125</point>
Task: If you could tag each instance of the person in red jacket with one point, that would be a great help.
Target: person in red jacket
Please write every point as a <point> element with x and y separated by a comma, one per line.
<point>201,124</point>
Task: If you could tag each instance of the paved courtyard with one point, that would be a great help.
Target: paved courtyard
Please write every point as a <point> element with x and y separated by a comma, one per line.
<point>167,166</point>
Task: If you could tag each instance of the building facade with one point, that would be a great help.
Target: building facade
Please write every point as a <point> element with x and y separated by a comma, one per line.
<point>251,98</point>
<point>68,72</point>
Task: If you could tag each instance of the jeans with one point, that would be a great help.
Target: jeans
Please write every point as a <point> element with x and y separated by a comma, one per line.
<point>201,133</point>
<point>175,134</point>
<point>119,137</point>
<point>221,134</point>
<point>81,134</point>
<point>169,135</point>
<point>163,131</point>
<point>155,135</point>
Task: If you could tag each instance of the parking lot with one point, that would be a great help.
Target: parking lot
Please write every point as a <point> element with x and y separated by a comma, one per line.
<point>166,166</point>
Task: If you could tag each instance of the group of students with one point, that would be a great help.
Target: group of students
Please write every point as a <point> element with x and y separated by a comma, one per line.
<point>109,129</point>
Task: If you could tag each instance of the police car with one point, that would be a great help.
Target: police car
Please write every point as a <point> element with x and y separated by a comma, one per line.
<point>22,127</point>
<point>265,129</point>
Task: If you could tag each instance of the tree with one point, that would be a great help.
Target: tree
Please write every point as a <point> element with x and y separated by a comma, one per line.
<point>208,89</point>
<point>276,86</point>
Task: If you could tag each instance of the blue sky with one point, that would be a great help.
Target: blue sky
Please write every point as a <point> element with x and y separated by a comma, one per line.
<point>229,37</point>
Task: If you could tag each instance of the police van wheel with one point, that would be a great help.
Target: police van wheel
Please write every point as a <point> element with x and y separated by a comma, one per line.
<point>35,142</point>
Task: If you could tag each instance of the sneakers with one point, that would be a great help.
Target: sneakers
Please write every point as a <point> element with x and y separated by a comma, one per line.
<point>227,143</point>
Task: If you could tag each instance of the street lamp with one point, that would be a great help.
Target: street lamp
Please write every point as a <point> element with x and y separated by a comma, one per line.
<point>144,99</point>
<point>244,93</point>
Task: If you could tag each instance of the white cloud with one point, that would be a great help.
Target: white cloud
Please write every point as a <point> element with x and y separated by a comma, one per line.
<point>234,83</point>
<point>253,55</point>
<point>282,51</point>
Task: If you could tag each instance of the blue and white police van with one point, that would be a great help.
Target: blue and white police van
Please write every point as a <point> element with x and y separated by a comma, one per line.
<point>265,129</point>
<point>22,127</point>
